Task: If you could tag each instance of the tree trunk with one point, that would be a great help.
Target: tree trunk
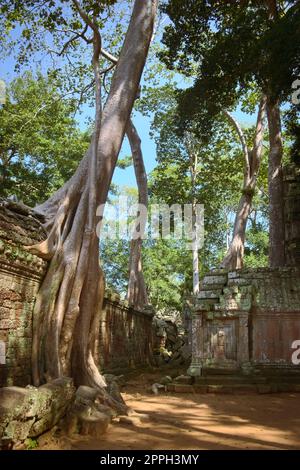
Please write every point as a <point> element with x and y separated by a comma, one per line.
<point>235,254</point>
<point>137,293</point>
<point>195,251</point>
<point>275,177</point>
<point>70,298</point>
<point>193,157</point>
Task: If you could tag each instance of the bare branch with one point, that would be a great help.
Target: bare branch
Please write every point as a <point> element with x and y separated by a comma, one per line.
<point>242,139</point>
<point>109,56</point>
<point>70,41</point>
<point>258,139</point>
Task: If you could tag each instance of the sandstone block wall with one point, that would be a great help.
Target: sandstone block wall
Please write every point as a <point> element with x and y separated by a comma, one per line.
<point>20,276</point>
<point>247,320</point>
<point>125,337</point>
<point>125,340</point>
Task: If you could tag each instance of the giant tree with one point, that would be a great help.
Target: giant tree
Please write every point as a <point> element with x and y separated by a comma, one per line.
<point>252,159</point>
<point>137,292</point>
<point>69,299</point>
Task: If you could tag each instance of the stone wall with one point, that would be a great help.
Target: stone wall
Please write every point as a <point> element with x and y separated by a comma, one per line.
<point>20,276</point>
<point>292,215</point>
<point>125,336</point>
<point>125,340</point>
<point>246,321</point>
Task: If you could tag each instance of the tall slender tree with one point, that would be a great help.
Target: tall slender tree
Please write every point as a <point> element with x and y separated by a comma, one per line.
<point>252,159</point>
<point>137,292</point>
<point>193,155</point>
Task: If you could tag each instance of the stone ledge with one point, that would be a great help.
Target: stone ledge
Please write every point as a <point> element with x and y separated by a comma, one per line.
<point>232,389</point>
<point>29,412</point>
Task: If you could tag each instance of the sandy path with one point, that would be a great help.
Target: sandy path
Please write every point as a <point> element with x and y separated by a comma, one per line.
<point>207,421</point>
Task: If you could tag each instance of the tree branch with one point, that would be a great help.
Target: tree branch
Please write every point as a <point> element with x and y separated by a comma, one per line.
<point>272,9</point>
<point>69,42</point>
<point>86,17</point>
<point>258,139</point>
<point>242,139</point>
<point>109,56</point>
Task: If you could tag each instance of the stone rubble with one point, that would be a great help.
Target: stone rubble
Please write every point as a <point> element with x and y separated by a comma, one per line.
<point>29,412</point>
<point>170,344</point>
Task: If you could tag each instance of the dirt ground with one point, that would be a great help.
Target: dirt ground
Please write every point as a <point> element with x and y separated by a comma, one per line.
<point>199,421</point>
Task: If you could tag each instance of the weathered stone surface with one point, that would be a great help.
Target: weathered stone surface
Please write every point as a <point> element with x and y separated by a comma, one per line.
<point>183,388</point>
<point>94,425</point>
<point>264,388</point>
<point>20,275</point>
<point>86,394</point>
<point>88,414</point>
<point>125,337</point>
<point>28,412</point>
<point>252,323</point>
<point>171,340</point>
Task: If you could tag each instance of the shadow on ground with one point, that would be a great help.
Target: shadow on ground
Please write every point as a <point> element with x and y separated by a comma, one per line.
<point>203,421</point>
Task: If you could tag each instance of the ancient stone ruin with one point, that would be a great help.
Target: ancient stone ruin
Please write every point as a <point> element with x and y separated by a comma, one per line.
<point>20,276</point>
<point>239,334</point>
<point>247,322</point>
<point>125,336</point>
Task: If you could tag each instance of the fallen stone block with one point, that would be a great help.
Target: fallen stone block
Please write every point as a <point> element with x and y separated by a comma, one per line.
<point>29,412</point>
<point>222,389</point>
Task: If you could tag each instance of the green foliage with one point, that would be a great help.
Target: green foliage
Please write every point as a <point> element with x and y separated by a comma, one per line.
<point>40,143</point>
<point>114,255</point>
<point>166,267</point>
<point>166,264</point>
<point>292,123</point>
<point>257,246</point>
<point>124,162</point>
<point>234,41</point>
<point>31,443</point>
<point>167,270</point>
<point>231,47</point>
<point>51,36</point>
<point>228,52</point>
